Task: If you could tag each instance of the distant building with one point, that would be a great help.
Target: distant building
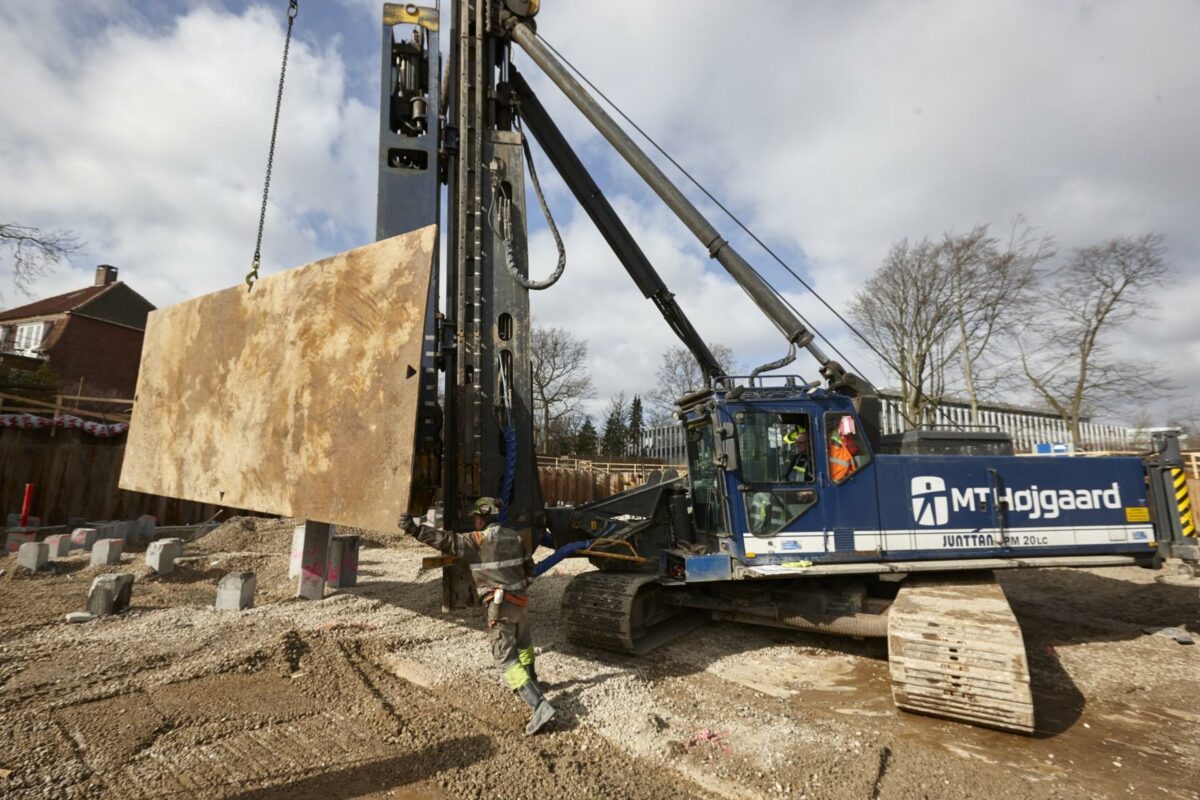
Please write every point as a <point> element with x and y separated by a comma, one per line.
<point>1027,426</point>
<point>91,338</point>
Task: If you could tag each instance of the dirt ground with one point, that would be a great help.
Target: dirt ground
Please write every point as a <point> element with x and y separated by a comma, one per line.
<point>374,693</point>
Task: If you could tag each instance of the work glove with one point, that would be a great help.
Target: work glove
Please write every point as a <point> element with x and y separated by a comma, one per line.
<point>406,524</point>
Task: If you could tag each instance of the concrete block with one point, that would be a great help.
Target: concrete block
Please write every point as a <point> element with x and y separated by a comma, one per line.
<point>60,546</point>
<point>343,561</point>
<point>161,555</point>
<point>12,521</point>
<point>235,592</point>
<point>145,526</point>
<point>107,551</point>
<point>17,537</point>
<point>296,552</point>
<point>110,594</point>
<point>33,556</point>
<point>80,616</point>
<point>83,538</point>
<point>108,530</point>
<point>296,556</point>
<point>314,559</point>
<point>35,522</point>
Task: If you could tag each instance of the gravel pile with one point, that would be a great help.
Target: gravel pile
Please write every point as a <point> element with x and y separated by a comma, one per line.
<point>374,692</point>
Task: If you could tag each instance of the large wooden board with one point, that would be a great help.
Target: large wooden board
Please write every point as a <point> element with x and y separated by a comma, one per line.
<point>299,398</point>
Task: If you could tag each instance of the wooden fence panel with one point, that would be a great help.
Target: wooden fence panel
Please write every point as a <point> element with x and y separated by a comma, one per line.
<point>76,476</point>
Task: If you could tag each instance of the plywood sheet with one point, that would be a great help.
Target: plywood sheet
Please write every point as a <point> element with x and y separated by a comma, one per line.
<point>299,398</point>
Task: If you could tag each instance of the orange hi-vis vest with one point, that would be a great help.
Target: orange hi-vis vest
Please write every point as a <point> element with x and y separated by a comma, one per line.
<point>841,460</point>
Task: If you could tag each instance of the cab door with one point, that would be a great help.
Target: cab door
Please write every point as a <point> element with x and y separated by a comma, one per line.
<point>849,488</point>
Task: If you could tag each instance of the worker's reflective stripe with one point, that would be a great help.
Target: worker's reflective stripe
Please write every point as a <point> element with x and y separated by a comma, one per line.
<point>512,562</point>
<point>485,592</point>
<point>525,655</point>
<point>516,676</point>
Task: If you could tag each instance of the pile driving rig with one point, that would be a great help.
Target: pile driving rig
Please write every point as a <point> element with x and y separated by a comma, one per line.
<point>794,511</point>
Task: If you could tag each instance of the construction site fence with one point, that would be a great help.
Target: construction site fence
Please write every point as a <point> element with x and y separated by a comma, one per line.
<point>76,475</point>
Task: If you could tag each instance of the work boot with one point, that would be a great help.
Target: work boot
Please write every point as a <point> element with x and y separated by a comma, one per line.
<point>543,712</point>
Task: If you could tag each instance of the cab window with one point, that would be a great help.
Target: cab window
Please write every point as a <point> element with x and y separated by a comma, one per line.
<point>769,511</point>
<point>844,447</point>
<point>707,509</point>
<point>774,448</point>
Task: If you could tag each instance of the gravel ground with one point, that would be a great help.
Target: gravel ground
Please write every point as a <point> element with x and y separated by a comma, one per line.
<point>373,692</point>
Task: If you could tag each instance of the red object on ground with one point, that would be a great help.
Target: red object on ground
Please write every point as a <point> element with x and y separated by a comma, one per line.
<point>25,504</point>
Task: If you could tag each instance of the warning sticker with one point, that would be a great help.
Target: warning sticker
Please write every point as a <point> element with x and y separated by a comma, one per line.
<point>1137,514</point>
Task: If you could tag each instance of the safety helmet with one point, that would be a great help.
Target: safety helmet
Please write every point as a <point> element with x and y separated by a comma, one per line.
<point>485,507</point>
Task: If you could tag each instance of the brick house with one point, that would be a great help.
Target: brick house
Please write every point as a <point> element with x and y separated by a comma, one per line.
<point>91,338</point>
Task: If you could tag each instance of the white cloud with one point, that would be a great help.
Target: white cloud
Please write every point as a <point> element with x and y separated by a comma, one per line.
<point>152,145</point>
<point>837,129</point>
<point>834,129</point>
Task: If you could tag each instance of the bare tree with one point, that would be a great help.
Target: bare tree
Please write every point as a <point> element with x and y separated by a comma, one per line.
<point>1066,351</point>
<point>35,252</point>
<point>560,378</point>
<point>906,311</point>
<point>989,283</point>
<point>679,373</point>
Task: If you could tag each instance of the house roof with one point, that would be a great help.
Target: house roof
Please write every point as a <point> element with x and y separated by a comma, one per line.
<point>59,304</point>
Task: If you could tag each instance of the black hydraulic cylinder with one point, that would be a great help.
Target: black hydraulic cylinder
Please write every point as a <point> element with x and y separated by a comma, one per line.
<point>626,248</point>
<point>760,292</point>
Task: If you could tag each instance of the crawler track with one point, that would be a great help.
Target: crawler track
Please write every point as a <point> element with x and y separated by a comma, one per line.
<point>623,613</point>
<point>955,650</point>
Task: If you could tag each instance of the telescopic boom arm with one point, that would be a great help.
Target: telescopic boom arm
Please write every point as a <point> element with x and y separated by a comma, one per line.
<point>793,330</point>
<point>576,176</point>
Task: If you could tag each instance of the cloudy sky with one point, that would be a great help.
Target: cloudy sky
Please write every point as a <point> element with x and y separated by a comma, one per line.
<point>834,129</point>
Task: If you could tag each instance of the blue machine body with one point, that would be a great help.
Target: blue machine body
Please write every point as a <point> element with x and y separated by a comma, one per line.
<point>891,507</point>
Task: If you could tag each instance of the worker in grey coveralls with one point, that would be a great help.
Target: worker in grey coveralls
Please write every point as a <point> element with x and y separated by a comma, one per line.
<point>502,571</point>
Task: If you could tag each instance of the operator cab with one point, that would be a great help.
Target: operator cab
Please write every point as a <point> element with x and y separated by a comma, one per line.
<point>776,470</point>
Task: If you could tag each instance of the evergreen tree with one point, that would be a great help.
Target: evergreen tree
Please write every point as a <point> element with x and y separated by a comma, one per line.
<point>587,439</point>
<point>637,427</point>
<point>616,429</point>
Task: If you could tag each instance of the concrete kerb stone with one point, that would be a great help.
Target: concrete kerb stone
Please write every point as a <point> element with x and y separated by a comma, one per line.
<point>33,556</point>
<point>235,592</point>
<point>314,559</point>
<point>17,537</point>
<point>161,555</point>
<point>107,552</point>
<point>60,546</point>
<point>83,538</point>
<point>343,561</point>
<point>110,594</point>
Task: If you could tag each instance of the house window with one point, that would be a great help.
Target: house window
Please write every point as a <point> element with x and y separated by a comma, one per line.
<point>29,337</point>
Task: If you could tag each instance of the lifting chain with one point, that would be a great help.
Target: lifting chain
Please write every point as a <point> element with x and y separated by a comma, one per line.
<point>252,275</point>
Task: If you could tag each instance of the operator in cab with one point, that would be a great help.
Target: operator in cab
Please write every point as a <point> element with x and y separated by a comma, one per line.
<point>798,466</point>
<point>502,570</point>
<point>843,449</point>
